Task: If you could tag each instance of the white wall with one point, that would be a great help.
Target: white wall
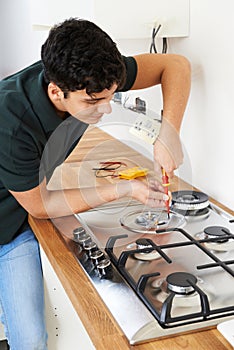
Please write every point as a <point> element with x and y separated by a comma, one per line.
<point>19,44</point>
<point>207,131</point>
<point>209,122</point>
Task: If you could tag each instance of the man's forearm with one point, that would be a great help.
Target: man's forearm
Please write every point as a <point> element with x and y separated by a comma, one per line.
<point>176,82</point>
<point>67,202</point>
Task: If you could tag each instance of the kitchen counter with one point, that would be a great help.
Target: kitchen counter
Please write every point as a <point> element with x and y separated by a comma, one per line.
<point>53,238</point>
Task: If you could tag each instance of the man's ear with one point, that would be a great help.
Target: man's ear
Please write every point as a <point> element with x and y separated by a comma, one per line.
<point>55,92</point>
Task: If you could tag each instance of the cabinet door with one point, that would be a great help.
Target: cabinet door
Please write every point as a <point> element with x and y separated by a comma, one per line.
<point>65,329</point>
<point>48,12</point>
<point>2,334</point>
<point>120,19</point>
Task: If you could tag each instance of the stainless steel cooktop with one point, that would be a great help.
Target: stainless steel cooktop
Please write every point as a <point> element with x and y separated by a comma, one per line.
<point>160,276</point>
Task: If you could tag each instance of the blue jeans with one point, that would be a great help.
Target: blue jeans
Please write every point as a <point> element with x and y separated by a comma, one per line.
<point>22,293</point>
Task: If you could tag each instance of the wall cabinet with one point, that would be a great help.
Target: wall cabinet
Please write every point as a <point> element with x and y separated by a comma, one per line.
<point>121,19</point>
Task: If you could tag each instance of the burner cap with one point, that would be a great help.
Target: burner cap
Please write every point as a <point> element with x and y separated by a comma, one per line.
<point>189,200</point>
<point>143,243</point>
<point>179,282</point>
<point>216,232</point>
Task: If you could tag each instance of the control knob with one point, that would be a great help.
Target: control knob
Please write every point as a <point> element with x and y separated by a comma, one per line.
<point>97,256</point>
<point>105,269</point>
<point>84,240</point>
<point>90,247</point>
<point>78,233</point>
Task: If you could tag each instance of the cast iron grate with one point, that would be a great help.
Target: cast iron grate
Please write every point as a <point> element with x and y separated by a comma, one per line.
<point>164,316</point>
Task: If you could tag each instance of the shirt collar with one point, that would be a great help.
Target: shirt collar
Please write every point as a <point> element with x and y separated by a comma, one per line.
<point>43,107</point>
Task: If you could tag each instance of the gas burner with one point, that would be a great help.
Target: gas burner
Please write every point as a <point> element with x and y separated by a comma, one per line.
<point>222,242</point>
<point>191,203</point>
<point>217,232</point>
<point>194,214</point>
<point>151,220</point>
<point>142,243</point>
<point>148,219</point>
<point>181,282</point>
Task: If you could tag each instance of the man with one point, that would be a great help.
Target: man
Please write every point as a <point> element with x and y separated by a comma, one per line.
<point>45,109</point>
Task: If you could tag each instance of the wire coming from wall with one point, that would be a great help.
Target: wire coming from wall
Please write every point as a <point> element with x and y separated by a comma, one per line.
<point>153,47</point>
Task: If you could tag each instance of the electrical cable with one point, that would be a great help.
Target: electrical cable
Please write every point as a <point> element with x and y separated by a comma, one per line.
<point>164,49</point>
<point>108,169</point>
<point>154,33</point>
<point>153,48</point>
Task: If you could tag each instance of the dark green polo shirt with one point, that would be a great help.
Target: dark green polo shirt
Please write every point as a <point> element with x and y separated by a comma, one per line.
<point>27,121</point>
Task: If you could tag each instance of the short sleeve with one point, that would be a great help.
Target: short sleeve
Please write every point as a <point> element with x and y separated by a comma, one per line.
<point>131,71</point>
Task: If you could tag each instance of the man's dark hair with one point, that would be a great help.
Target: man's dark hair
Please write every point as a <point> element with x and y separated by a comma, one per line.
<point>79,55</point>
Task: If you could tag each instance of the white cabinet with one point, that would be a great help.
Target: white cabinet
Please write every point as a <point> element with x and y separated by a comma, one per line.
<point>48,12</point>
<point>2,334</point>
<point>121,19</point>
<point>65,329</point>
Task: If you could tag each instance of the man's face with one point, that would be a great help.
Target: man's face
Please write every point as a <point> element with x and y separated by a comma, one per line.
<point>86,108</point>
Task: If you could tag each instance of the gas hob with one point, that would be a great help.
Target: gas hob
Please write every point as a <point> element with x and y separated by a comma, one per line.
<point>160,276</point>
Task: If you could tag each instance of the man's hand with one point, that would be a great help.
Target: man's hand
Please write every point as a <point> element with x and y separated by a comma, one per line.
<point>168,152</point>
<point>173,72</point>
<point>150,194</point>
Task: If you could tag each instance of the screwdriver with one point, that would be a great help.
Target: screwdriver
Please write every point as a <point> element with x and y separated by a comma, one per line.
<point>166,184</point>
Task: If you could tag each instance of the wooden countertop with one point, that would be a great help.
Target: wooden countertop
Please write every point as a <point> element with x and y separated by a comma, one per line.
<point>100,325</point>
